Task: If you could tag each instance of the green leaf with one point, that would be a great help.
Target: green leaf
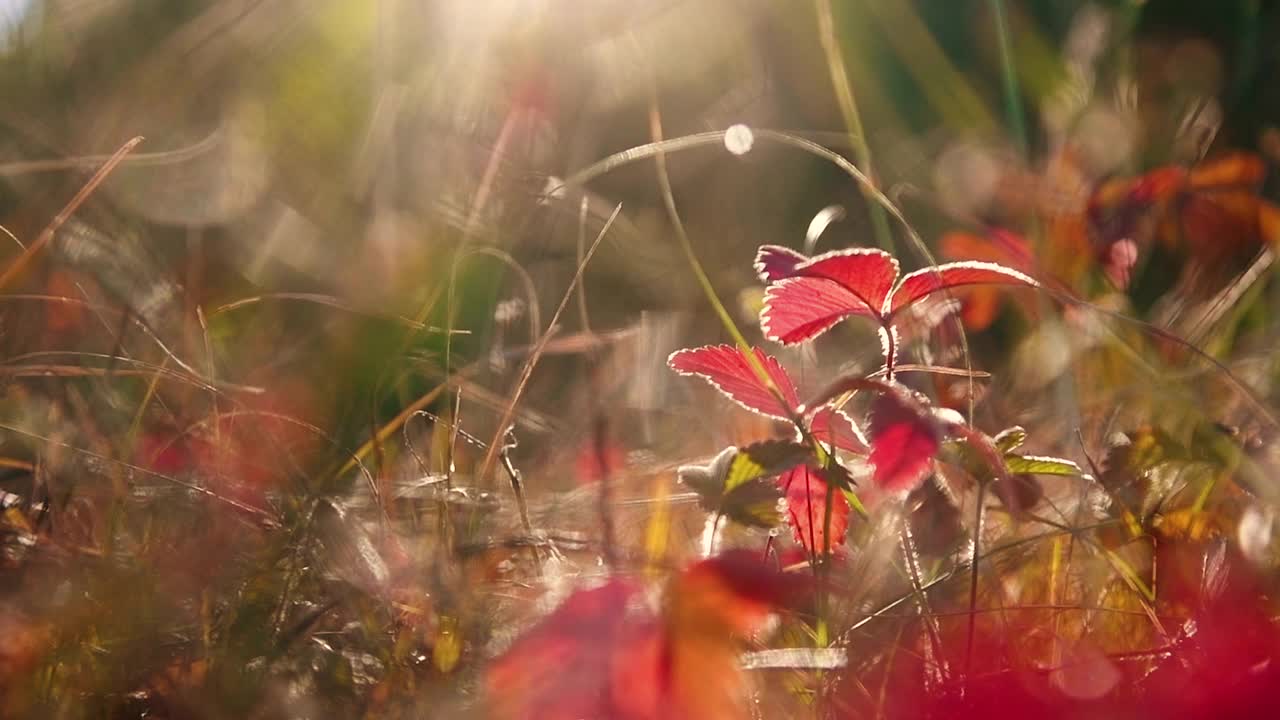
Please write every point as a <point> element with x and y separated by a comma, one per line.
<point>736,483</point>
<point>1010,439</point>
<point>960,454</point>
<point>1040,465</point>
<point>857,505</point>
<point>763,459</point>
<point>754,504</point>
<point>708,480</point>
<point>836,474</point>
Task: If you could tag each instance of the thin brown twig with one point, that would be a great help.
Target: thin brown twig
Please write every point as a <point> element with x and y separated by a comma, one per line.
<point>504,423</point>
<point>264,517</point>
<point>20,263</point>
<point>609,541</point>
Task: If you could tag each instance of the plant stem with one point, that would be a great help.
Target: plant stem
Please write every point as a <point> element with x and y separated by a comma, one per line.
<point>1009,76</point>
<point>852,118</point>
<point>973,582</point>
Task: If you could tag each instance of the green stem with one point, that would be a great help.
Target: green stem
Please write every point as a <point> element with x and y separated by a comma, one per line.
<point>659,147</point>
<point>973,581</point>
<point>1009,76</point>
<point>852,117</point>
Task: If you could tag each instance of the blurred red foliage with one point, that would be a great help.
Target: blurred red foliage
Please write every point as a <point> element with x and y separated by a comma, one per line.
<point>604,654</point>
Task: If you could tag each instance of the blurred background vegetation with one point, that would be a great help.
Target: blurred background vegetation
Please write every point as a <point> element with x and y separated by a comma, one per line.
<point>250,389</point>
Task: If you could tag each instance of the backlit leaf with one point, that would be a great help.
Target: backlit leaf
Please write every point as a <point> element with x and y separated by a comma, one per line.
<point>1041,465</point>
<point>735,483</point>
<point>708,480</point>
<point>755,504</point>
<point>806,494</point>
<point>799,309</point>
<point>763,459</point>
<point>833,427</point>
<point>726,367</point>
<point>980,305</point>
<point>809,298</point>
<point>774,262</point>
<point>927,281</point>
<point>1010,438</point>
<point>560,668</point>
<point>904,441</point>
<point>867,273</point>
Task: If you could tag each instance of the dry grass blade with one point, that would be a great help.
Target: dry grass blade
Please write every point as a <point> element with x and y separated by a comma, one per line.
<point>329,301</point>
<point>264,517</point>
<point>525,372</point>
<point>65,214</point>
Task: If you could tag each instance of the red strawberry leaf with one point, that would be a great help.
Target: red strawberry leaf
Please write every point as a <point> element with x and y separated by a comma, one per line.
<point>800,309</point>
<point>922,283</point>
<point>904,440</point>
<point>808,298</point>
<point>728,370</point>
<point>806,494</point>
<point>833,427</point>
<point>867,273</point>
<point>774,262</point>
<point>561,667</point>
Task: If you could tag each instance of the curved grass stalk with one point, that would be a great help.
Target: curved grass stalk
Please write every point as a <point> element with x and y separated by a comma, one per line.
<point>824,457</point>
<point>852,117</point>
<point>146,329</point>
<point>504,423</point>
<point>530,291</point>
<point>688,142</point>
<point>264,517</point>
<point>327,301</point>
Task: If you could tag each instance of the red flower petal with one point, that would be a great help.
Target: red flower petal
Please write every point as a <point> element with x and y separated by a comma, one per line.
<point>798,309</point>
<point>903,443</point>
<point>774,262</point>
<point>806,495</point>
<point>867,273</point>
<point>833,427</point>
<point>927,281</point>
<point>726,367</point>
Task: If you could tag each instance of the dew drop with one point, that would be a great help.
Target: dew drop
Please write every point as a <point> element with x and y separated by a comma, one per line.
<point>738,139</point>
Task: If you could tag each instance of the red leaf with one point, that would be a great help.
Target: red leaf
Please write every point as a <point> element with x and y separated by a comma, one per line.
<point>1232,169</point>
<point>737,587</point>
<point>561,668</point>
<point>727,368</point>
<point>808,298</point>
<point>833,427</point>
<point>903,443</point>
<point>867,273</point>
<point>800,309</point>
<point>588,466</point>
<point>927,281</point>
<point>595,656</point>
<point>774,262</point>
<point>981,304</point>
<point>806,495</point>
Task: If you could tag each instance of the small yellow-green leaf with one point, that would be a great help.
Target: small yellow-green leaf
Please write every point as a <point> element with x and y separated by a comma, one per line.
<point>1041,465</point>
<point>763,459</point>
<point>1010,438</point>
